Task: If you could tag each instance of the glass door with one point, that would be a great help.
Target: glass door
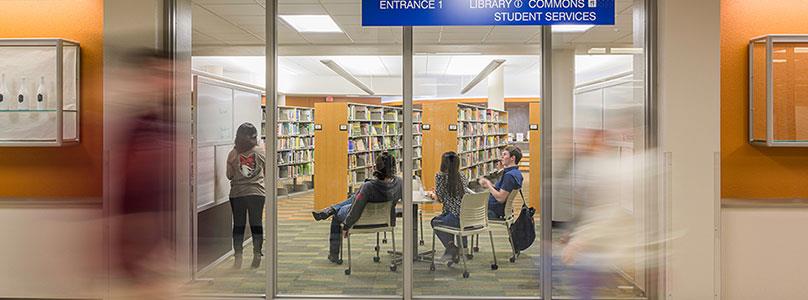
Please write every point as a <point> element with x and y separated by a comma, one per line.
<point>598,148</point>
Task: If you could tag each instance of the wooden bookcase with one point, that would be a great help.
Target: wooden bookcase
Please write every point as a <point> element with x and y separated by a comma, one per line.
<point>477,134</point>
<point>295,143</point>
<point>349,136</point>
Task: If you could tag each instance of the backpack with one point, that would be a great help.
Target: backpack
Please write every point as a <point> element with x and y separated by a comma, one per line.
<point>523,231</point>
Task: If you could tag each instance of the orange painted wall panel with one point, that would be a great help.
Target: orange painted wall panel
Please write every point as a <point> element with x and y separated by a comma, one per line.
<point>72,171</point>
<point>748,171</point>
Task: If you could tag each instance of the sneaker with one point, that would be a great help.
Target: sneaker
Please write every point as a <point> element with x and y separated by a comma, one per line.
<point>323,214</point>
<point>450,254</point>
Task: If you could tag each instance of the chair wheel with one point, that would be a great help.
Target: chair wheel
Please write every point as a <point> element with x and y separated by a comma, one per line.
<point>469,256</point>
<point>348,272</point>
<point>476,249</point>
<point>376,259</point>
<point>384,241</point>
<point>512,259</point>
<point>376,248</point>
<point>494,267</point>
<point>339,261</point>
<point>421,243</point>
<point>432,267</point>
<point>466,274</point>
<point>393,268</point>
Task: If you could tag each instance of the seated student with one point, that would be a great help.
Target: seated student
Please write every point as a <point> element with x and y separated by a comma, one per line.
<point>383,188</point>
<point>450,186</point>
<point>511,180</point>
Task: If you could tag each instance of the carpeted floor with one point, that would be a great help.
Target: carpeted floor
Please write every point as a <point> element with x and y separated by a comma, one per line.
<point>304,270</point>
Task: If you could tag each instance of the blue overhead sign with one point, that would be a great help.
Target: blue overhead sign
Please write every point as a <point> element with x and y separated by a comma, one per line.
<point>486,12</point>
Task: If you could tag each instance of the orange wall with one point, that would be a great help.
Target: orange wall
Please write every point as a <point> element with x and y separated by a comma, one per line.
<point>72,171</point>
<point>749,171</point>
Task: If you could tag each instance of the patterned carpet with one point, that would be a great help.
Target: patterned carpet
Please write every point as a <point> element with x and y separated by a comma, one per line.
<point>304,270</point>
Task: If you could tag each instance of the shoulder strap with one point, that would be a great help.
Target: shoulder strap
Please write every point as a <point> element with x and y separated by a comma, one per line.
<point>524,201</point>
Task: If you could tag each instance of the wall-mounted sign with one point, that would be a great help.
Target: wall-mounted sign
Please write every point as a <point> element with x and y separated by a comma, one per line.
<point>486,12</point>
<point>425,127</point>
<point>534,127</point>
<point>318,127</point>
<point>452,127</point>
<point>343,127</point>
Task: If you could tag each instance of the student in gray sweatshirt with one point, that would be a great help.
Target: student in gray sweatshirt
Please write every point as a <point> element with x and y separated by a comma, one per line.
<point>384,187</point>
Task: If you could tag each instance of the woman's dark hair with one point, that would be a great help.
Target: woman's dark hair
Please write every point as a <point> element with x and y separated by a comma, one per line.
<point>450,165</point>
<point>385,166</point>
<point>246,137</point>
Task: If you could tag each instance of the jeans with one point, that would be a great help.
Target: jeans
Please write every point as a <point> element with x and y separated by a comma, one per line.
<point>335,238</point>
<point>493,215</point>
<point>447,219</point>
<point>242,207</point>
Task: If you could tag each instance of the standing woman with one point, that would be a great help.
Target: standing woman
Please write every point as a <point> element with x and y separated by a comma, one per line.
<point>245,169</point>
<point>450,186</point>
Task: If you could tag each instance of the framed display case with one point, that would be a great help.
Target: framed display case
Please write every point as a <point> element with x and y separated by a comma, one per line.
<point>39,92</point>
<point>778,91</point>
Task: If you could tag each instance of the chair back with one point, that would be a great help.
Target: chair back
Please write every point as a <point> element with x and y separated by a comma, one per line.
<point>376,214</point>
<point>509,209</point>
<point>474,211</point>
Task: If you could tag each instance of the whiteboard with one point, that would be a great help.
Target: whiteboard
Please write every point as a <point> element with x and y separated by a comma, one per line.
<point>214,113</point>
<point>247,109</point>
<point>205,175</point>
<point>221,181</point>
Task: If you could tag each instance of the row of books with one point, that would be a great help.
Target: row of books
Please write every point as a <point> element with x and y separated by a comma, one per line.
<point>466,113</point>
<point>357,176</point>
<point>288,172</point>
<point>291,157</point>
<point>293,142</point>
<point>476,157</point>
<point>480,142</point>
<point>286,129</point>
<point>295,114</point>
<point>479,171</point>
<point>481,129</point>
<point>360,129</point>
<point>387,114</point>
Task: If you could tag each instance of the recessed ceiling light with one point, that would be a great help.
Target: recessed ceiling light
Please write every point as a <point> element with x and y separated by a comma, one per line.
<point>597,51</point>
<point>312,23</point>
<point>571,28</point>
<point>626,51</point>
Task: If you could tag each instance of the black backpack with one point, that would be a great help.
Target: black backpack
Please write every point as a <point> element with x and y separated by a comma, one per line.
<point>523,231</point>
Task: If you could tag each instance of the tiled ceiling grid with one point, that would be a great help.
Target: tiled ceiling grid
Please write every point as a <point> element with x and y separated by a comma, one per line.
<point>242,23</point>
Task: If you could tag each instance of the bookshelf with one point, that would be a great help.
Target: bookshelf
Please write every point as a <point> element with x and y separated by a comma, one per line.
<point>350,138</point>
<point>478,134</point>
<point>295,142</point>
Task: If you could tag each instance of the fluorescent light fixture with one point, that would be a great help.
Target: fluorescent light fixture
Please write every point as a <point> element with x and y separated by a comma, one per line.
<point>458,53</point>
<point>571,28</point>
<point>626,51</point>
<point>311,23</point>
<point>779,61</point>
<point>483,74</point>
<point>341,72</point>
<point>597,51</point>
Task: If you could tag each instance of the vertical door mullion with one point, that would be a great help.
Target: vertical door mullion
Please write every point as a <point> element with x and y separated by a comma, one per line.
<point>406,164</point>
<point>271,231</point>
<point>546,163</point>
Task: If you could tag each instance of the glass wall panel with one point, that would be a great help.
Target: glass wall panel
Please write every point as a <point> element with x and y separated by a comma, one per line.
<point>478,89</point>
<point>336,81</point>
<point>228,42</point>
<point>598,127</point>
